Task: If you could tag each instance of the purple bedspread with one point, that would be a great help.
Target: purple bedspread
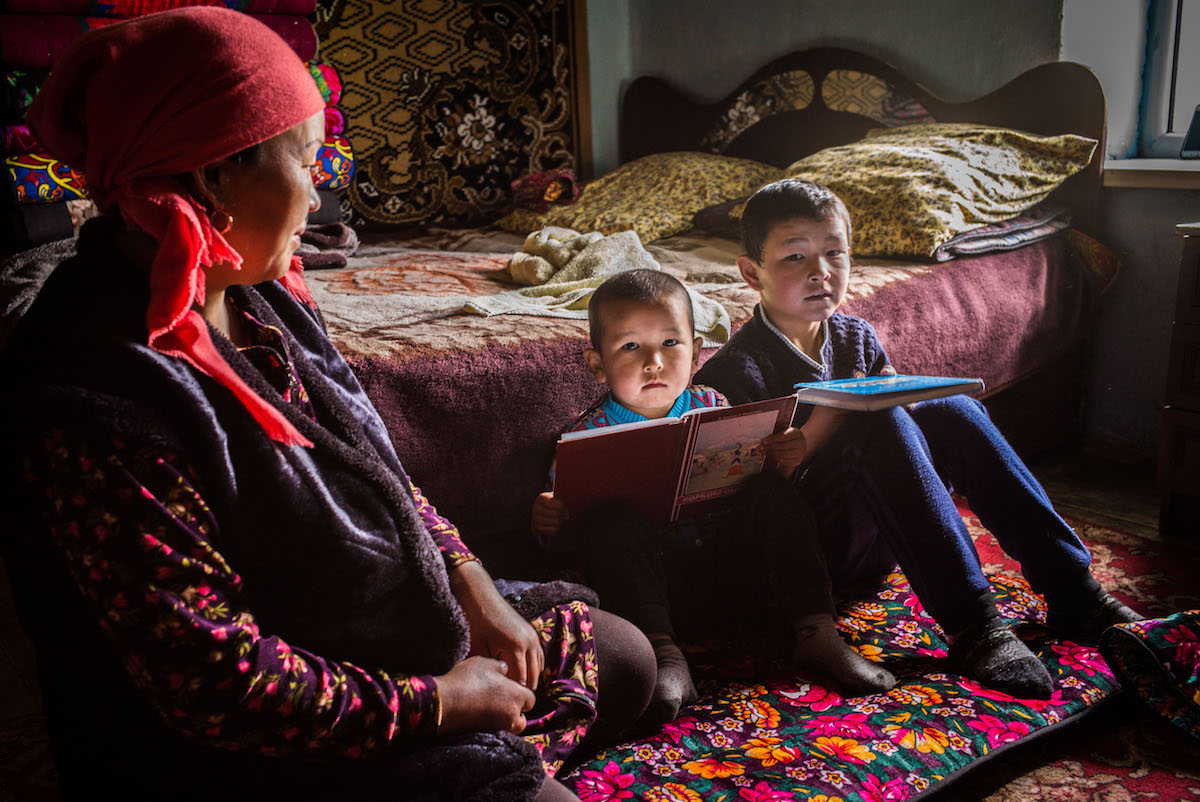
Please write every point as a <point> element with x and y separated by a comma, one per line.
<point>475,405</point>
<point>1000,317</point>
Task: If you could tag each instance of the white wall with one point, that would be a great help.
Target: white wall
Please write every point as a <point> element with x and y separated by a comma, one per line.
<point>1129,367</point>
<point>610,70</point>
<point>957,49</point>
<point>1109,37</point>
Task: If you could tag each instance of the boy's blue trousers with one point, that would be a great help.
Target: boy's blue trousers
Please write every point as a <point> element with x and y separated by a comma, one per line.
<point>880,490</point>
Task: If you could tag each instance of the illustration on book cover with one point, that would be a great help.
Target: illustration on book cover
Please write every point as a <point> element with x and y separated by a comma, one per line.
<point>727,451</point>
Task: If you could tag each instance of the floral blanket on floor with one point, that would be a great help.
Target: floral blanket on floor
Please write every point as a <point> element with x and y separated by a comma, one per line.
<point>771,736</point>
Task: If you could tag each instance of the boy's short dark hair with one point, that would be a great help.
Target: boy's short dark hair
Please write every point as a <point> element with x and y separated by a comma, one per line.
<point>783,200</point>
<point>640,286</point>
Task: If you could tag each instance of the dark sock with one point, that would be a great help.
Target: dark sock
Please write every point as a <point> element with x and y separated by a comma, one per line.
<point>1086,610</point>
<point>822,656</point>
<point>674,688</point>
<point>996,658</point>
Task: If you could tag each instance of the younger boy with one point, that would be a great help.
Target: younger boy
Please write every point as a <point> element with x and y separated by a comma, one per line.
<point>879,482</point>
<point>645,349</point>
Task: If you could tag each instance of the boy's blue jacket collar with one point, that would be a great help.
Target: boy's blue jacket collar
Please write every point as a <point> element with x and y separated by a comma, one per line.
<point>619,413</point>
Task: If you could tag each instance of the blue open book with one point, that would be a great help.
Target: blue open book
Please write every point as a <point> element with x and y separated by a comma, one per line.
<point>878,392</point>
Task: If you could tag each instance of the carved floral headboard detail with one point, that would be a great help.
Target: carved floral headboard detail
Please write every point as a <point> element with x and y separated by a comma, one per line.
<point>788,91</point>
<point>841,90</point>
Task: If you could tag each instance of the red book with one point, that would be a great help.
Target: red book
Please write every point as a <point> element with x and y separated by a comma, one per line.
<point>669,467</point>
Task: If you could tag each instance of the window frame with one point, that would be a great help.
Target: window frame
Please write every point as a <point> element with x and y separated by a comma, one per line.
<point>1158,133</point>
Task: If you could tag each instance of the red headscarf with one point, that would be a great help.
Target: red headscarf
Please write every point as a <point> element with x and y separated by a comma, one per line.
<point>134,103</point>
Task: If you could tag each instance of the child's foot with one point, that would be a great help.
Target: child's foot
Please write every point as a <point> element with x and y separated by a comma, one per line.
<point>996,658</point>
<point>1088,613</point>
<point>673,688</point>
<point>823,656</point>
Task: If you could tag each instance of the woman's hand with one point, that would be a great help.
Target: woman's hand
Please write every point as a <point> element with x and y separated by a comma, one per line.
<point>549,515</point>
<point>497,630</point>
<point>786,449</point>
<point>475,695</point>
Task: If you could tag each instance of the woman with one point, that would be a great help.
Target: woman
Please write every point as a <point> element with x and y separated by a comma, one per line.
<point>234,588</point>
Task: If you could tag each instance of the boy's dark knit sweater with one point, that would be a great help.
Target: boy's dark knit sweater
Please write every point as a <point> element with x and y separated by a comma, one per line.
<point>756,363</point>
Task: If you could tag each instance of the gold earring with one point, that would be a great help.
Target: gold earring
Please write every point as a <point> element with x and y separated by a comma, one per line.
<point>221,220</point>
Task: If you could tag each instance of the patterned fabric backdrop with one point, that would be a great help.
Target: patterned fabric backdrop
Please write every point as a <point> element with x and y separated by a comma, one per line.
<point>448,101</point>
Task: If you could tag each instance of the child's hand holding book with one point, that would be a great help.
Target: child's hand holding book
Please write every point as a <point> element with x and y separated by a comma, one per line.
<point>786,450</point>
<point>548,516</point>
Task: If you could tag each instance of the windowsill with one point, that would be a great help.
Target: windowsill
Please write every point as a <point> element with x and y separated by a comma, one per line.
<point>1152,173</point>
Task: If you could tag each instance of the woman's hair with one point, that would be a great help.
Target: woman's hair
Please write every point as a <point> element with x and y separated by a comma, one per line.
<point>247,155</point>
<point>643,286</point>
<point>783,200</point>
<point>242,158</point>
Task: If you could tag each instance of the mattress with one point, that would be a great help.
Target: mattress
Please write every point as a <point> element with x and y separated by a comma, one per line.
<point>475,404</point>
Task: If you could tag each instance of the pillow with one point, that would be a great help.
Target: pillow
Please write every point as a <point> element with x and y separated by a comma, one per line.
<point>911,189</point>
<point>655,195</point>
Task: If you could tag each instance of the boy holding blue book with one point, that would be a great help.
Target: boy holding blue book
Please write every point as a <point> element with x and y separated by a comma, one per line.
<point>880,482</point>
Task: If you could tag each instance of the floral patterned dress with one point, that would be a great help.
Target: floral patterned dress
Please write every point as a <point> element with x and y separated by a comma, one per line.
<point>142,545</point>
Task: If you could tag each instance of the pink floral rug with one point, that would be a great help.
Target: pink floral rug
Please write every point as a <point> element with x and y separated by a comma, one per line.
<point>762,734</point>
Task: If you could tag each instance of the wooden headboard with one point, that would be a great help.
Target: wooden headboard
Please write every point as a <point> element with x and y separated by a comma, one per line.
<point>829,96</point>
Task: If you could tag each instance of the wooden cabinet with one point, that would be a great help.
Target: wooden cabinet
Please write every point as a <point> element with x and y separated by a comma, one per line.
<point>1179,444</point>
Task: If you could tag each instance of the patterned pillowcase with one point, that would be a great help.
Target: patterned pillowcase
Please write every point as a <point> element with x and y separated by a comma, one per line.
<point>911,189</point>
<point>655,195</point>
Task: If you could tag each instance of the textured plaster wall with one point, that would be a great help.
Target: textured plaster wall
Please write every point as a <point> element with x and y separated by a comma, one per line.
<point>610,69</point>
<point>957,49</point>
<point>1129,365</point>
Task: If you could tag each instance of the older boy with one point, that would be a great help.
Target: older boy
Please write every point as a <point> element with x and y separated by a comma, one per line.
<point>879,483</point>
<point>645,349</point>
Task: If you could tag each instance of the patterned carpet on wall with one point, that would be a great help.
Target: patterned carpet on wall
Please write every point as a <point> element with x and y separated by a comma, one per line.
<point>1118,752</point>
<point>448,101</point>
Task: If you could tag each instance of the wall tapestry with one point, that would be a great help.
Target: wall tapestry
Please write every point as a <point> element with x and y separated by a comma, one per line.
<point>448,101</point>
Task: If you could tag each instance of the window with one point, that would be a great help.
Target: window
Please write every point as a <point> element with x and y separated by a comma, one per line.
<point>1171,79</point>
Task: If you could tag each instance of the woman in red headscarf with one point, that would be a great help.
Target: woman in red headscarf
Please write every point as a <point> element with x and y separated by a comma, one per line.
<point>234,588</point>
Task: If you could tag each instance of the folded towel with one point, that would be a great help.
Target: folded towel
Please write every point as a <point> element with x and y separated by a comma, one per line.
<point>328,246</point>
<point>17,88</point>
<point>35,177</point>
<point>18,140</point>
<point>328,81</point>
<point>565,267</point>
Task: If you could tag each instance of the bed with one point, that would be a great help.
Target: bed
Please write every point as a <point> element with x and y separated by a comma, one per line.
<point>501,387</point>
<point>474,404</point>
